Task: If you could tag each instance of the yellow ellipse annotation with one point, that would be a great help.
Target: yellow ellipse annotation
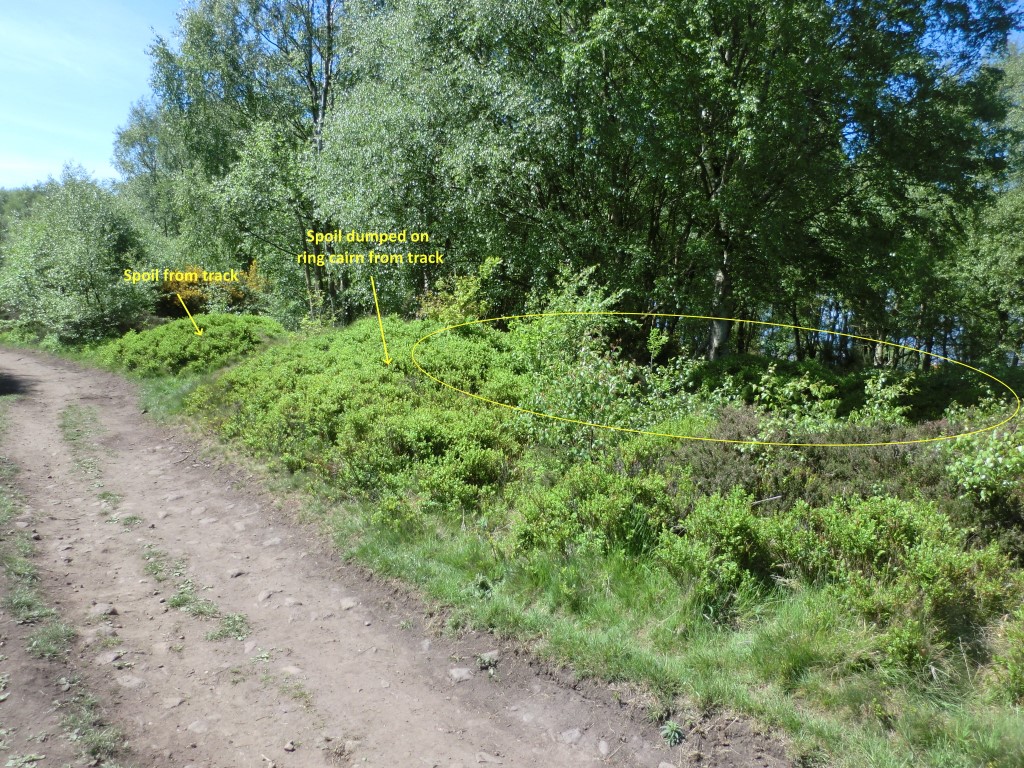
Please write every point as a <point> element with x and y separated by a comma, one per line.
<point>614,428</point>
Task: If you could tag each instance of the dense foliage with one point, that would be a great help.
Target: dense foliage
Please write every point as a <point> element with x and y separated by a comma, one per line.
<point>176,348</point>
<point>62,267</point>
<point>842,166</point>
<point>326,406</point>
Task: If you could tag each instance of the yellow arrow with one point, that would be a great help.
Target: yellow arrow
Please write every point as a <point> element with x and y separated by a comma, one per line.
<point>387,357</point>
<point>199,331</point>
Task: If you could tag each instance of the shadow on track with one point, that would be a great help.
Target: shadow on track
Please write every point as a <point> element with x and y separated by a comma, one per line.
<point>12,385</point>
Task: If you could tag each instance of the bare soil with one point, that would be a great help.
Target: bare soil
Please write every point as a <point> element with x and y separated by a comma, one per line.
<point>339,667</point>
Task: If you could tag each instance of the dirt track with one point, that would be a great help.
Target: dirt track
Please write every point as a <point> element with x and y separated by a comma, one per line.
<point>338,669</point>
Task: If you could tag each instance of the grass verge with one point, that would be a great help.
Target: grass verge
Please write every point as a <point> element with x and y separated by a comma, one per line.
<point>454,499</point>
<point>794,662</point>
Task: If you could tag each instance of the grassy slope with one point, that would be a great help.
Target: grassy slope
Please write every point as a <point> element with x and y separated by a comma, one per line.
<point>436,489</point>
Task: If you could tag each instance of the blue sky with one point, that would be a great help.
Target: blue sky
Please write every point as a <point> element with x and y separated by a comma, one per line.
<point>69,72</point>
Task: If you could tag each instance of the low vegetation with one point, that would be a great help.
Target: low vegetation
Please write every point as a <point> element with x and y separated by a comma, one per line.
<point>867,600</point>
<point>175,347</point>
<point>187,595</point>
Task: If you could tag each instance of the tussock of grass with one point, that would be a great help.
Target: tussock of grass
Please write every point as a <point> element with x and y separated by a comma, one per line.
<point>26,606</point>
<point>155,562</point>
<point>51,640</point>
<point>232,625</point>
<point>18,566</point>
<point>110,498</point>
<point>187,599</point>
<point>80,426</point>
<point>78,422</point>
<point>164,396</point>
<point>85,724</point>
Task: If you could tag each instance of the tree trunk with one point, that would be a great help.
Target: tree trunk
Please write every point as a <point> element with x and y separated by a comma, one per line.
<point>796,335</point>
<point>309,292</point>
<point>720,305</point>
<point>926,358</point>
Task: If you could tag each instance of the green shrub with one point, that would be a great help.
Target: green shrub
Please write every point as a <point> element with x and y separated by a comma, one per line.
<point>955,387</point>
<point>175,348</point>
<point>594,504</point>
<point>886,399</point>
<point>984,474</point>
<point>328,405</point>
<point>720,549</point>
<point>900,564</point>
<point>988,466</point>
<point>1008,663</point>
<point>62,272</point>
<point>456,299</point>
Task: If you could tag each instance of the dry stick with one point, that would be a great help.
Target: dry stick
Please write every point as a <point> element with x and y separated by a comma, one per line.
<point>731,722</point>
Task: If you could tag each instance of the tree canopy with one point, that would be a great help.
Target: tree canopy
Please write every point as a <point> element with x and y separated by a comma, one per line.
<point>840,165</point>
<point>63,264</point>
